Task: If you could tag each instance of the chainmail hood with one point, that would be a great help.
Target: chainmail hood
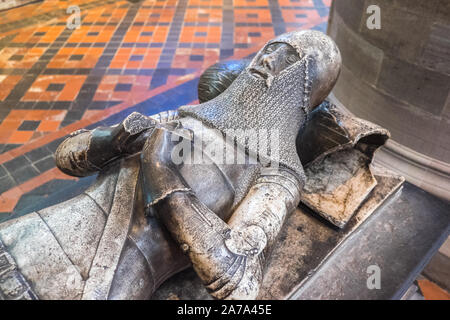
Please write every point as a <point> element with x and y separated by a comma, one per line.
<point>280,108</point>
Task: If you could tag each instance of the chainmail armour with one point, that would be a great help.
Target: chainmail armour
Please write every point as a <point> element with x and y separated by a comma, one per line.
<point>251,103</point>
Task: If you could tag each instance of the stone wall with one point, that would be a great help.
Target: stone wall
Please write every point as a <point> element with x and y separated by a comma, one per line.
<point>398,76</point>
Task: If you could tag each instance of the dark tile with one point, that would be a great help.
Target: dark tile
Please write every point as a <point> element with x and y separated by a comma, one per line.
<point>9,146</point>
<point>200,34</point>
<point>16,163</point>
<point>123,87</point>
<point>2,171</point>
<point>24,174</point>
<point>254,34</point>
<point>45,164</point>
<point>75,114</point>
<point>52,146</point>
<point>38,154</point>
<point>136,57</point>
<point>16,57</point>
<point>92,33</point>
<point>6,183</point>
<point>38,34</point>
<point>42,105</point>
<point>55,86</point>
<point>76,57</point>
<point>28,125</point>
<point>196,57</point>
<point>98,105</point>
<point>61,105</point>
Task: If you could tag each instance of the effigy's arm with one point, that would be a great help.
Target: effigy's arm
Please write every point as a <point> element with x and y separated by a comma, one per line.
<point>86,152</point>
<point>228,257</point>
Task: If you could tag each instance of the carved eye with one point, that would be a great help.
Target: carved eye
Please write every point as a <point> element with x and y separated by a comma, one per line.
<point>269,49</point>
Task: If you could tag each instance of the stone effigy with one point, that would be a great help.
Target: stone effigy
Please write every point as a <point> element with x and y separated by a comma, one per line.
<point>168,196</point>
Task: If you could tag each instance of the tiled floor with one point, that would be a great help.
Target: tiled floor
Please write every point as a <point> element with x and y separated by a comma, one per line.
<point>125,56</point>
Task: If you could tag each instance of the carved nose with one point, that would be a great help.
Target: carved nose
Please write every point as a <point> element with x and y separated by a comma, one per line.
<point>268,62</point>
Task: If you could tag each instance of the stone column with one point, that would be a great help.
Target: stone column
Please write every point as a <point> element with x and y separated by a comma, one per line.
<point>398,76</point>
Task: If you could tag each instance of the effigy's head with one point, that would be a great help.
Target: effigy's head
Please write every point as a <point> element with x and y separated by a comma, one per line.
<point>296,58</point>
<point>275,93</point>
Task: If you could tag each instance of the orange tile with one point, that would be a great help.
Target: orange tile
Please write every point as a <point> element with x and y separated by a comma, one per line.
<point>17,114</point>
<point>48,125</point>
<point>20,137</point>
<point>10,124</point>
<point>432,291</point>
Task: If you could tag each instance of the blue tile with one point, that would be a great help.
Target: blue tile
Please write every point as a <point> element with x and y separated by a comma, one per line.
<point>254,34</point>
<point>196,57</point>
<point>28,125</point>
<point>123,87</point>
<point>55,86</point>
<point>136,57</point>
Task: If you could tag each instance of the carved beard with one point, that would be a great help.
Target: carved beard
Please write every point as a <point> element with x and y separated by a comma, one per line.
<point>250,104</point>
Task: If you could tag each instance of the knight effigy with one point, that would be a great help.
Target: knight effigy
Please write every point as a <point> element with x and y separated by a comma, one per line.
<point>209,185</point>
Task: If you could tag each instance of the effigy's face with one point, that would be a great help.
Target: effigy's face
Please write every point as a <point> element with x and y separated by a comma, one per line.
<point>274,58</point>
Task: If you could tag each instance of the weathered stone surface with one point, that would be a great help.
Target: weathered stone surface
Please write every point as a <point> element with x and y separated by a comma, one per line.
<point>304,242</point>
<point>398,239</point>
<point>411,127</point>
<point>402,33</point>
<point>362,58</point>
<point>128,286</point>
<point>435,9</point>
<point>420,87</point>
<point>102,191</point>
<point>446,112</point>
<point>352,11</point>
<point>436,52</point>
<point>409,94</point>
<point>336,186</point>
<point>55,277</point>
<point>77,225</point>
<point>114,235</point>
<point>13,285</point>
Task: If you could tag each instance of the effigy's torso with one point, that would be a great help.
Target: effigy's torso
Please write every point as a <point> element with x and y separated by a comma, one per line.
<point>102,244</point>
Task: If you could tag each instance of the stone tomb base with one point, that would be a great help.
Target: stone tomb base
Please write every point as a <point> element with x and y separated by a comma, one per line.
<point>304,244</point>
